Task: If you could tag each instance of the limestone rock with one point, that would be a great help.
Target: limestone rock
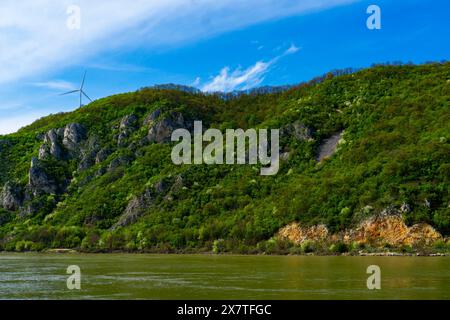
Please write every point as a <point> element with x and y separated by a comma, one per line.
<point>178,184</point>
<point>102,155</point>
<point>39,181</point>
<point>139,204</point>
<point>128,122</point>
<point>51,146</point>
<point>89,153</point>
<point>57,140</point>
<point>405,208</point>
<point>88,160</point>
<point>120,161</point>
<point>152,117</point>
<point>127,126</point>
<point>329,146</point>
<point>135,208</point>
<point>161,186</point>
<point>11,197</point>
<point>161,131</point>
<point>298,131</point>
<point>74,134</point>
<point>285,156</point>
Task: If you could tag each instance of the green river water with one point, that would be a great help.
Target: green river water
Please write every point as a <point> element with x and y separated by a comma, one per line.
<point>145,276</point>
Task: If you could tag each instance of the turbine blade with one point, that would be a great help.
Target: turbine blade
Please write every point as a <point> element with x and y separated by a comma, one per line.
<point>86,95</point>
<point>73,91</point>
<point>82,83</point>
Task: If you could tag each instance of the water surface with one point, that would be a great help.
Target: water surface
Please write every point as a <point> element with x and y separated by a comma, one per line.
<point>141,276</point>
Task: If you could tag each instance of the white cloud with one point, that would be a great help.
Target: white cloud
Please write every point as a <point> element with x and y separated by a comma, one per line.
<point>196,82</point>
<point>34,39</point>
<point>55,85</point>
<point>292,49</point>
<point>238,79</point>
<point>129,68</point>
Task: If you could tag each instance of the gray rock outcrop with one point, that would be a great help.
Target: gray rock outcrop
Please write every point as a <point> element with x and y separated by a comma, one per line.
<point>63,142</point>
<point>328,147</point>
<point>161,131</point>
<point>128,122</point>
<point>102,155</point>
<point>152,117</point>
<point>39,181</point>
<point>11,197</point>
<point>120,161</point>
<point>89,152</point>
<point>298,131</point>
<point>51,146</point>
<point>126,127</point>
<point>74,134</point>
<point>139,204</point>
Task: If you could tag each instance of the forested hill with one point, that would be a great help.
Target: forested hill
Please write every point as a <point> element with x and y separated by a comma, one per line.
<point>101,177</point>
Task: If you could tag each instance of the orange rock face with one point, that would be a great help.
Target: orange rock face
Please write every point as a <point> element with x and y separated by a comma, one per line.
<point>378,230</point>
<point>297,234</point>
<point>392,230</point>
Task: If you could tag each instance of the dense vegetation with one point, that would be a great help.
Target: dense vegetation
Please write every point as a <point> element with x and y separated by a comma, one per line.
<point>395,150</point>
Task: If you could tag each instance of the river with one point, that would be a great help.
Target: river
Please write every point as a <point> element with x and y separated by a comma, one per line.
<point>145,276</point>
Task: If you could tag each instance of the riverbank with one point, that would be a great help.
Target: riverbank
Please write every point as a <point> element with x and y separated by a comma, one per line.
<point>390,253</point>
<point>379,235</point>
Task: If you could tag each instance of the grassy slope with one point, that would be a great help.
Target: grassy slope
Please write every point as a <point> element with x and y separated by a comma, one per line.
<point>397,149</point>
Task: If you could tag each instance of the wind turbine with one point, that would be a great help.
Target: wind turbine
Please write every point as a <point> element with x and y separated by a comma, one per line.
<point>80,91</point>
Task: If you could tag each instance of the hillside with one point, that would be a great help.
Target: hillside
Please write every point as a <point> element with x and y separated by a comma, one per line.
<point>101,177</point>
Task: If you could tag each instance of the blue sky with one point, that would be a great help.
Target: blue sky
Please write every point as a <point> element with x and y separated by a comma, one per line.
<point>213,45</point>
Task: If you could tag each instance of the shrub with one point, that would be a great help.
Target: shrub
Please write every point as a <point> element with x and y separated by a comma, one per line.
<point>356,246</point>
<point>440,245</point>
<point>270,246</point>
<point>338,247</point>
<point>24,245</point>
<point>307,246</point>
<point>406,249</point>
<point>295,250</point>
<point>218,246</point>
<point>90,241</point>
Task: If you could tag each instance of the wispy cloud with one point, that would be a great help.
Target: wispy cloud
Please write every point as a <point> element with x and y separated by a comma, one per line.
<point>238,79</point>
<point>196,82</point>
<point>55,85</point>
<point>227,81</point>
<point>292,49</point>
<point>120,67</point>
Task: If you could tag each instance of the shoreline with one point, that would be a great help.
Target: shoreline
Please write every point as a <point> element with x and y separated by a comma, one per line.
<point>62,251</point>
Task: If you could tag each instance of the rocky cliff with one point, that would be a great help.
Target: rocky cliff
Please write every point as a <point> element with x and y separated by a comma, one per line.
<point>376,231</point>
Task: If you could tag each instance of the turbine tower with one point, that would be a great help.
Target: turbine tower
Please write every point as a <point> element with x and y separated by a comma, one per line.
<point>80,91</point>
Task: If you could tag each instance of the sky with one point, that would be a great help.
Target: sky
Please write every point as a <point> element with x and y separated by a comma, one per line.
<point>214,45</point>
